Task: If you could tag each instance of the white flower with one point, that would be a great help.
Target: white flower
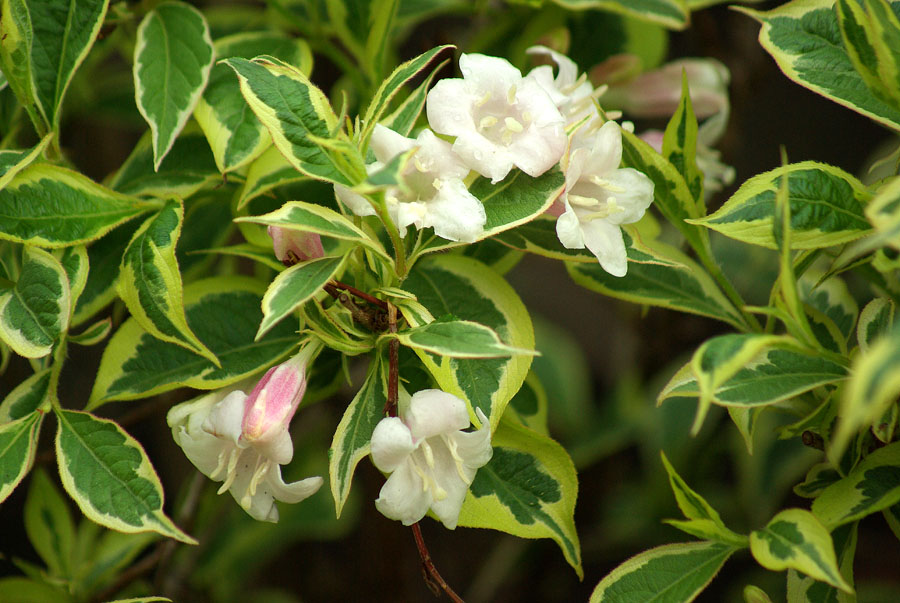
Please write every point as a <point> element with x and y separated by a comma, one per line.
<point>573,94</point>
<point>600,196</point>
<point>499,118</point>
<point>437,196</point>
<point>243,440</point>
<point>431,461</point>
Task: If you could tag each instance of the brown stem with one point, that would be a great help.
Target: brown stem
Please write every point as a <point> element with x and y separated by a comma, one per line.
<point>360,294</point>
<point>432,577</point>
<point>374,320</point>
<point>390,405</point>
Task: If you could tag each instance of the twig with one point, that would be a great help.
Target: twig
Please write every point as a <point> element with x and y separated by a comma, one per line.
<point>374,320</point>
<point>360,294</point>
<point>390,405</point>
<point>432,576</point>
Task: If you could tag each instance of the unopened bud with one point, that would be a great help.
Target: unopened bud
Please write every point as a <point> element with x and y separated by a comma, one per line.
<point>294,246</point>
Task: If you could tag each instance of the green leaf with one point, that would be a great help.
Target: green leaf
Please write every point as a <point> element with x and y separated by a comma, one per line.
<point>865,47</point>
<point>224,313</point>
<point>309,217</point>
<point>16,44</point>
<point>295,286</point>
<point>819,477</point>
<point>329,330</point>
<point>31,394</point>
<point>695,507</point>
<point>353,435</point>
<point>389,88</point>
<point>186,168</point>
<point>235,136</point>
<point>403,119</point>
<point>832,298</point>
<point>873,387</point>
<point>18,445</point>
<point>13,162</point>
<point>826,207</point>
<point>268,171</point>
<point>109,475</point>
<point>795,539</point>
<point>805,40</point>
<point>49,525</point>
<point>74,261</point>
<point>53,37</point>
<point>94,334</point>
<point>803,589</point>
<point>530,405</point>
<point>173,56</point>
<point>528,489</point>
<point>150,284</point>
<point>458,339</point>
<point>468,290</point>
<point>25,590</point>
<point>298,116</point>
<point>680,145</point>
<point>659,275</point>
<point>51,206</point>
<point>538,236</point>
<point>773,375</point>
<point>875,321</point>
<point>873,485</point>
<point>35,312</point>
<point>671,13</point>
<point>671,573</point>
<point>104,258</point>
<point>671,194</point>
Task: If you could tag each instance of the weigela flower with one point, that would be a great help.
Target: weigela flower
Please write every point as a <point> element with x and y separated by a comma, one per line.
<point>294,246</point>
<point>499,118</point>
<point>572,94</point>
<point>600,196</point>
<point>432,462</point>
<point>436,195</point>
<point>243,440</point>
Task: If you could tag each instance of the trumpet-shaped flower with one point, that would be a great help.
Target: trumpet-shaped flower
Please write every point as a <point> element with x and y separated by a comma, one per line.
<point>499,118</point>
<point>600,196</point>
<point>435,194</point>
<point>432,462</point>
<point>573,94</point>
<point>294,246</point>
<point>243,440</point>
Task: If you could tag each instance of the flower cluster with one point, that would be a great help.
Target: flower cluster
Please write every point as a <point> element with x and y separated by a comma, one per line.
<point>498,120</point>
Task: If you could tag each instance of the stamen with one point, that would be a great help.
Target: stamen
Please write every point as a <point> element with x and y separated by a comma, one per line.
<point>511,95</point>
<point>419,165</point>
<point>453,447</point>
<point>581,201</point>
<point>429,454</point>
<point>437,183</point>
<point>527,116</point>
<point>512,125</point>
<point>483,99</point>
<point>486,122</point>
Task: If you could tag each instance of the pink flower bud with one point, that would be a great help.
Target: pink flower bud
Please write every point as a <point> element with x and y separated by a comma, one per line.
<point>271,405</point>
<point>293,246</point>
<point>657,93</point>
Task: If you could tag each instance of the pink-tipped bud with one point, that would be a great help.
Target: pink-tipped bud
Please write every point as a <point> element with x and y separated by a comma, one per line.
<point>657,93</point>
<point>293,246</point>
<point>271,405</point>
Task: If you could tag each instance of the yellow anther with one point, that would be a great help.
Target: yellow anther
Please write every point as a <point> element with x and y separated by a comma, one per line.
<point>483,99</point>
<point>581,201</point>
<point>487,121</point>
<point>602,182</point>
<point>437,183</point>
<point>527,116</point>
<point>511,95</point>
<point>512,125</point>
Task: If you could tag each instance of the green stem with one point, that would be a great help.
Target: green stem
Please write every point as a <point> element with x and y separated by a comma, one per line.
<point>705,255</point>
<point>396,240</point>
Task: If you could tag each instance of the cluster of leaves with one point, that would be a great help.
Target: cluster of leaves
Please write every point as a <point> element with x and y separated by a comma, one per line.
<point>240,139</point>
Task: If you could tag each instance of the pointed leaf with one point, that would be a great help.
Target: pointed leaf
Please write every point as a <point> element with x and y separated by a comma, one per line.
<point>673,573</point>
<point>795,539</point>
<point>297,114</point>
<point>224,313</point>
<point>803,589</point>
<point>51,206</point>
<point>173,56</point>
<point>268,171</point>
<point>403,119</point>
<point>94,334</point>
<point>150,284</point>
<point>294,286</point>
<point>468,290</point>
<point>109,475</point>
<point>871,486</point>
<point>353,435</point>
<point>805,41</point>
<point>13,162</point>
<point>875,321</point>
<point>235,135</point>
<point>18,445</point>
<point>670,13</point>
<point>28,396</point>
<point>539,236</point>
<point>49,525</point>
<point>527,489</point>
<point>74,261</point>
<point>458,339</point>
<point>35,312</point>
<point>680,144</point>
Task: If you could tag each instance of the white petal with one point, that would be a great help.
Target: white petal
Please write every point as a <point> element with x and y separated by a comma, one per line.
<point>474,447</point>
<point>391,445</point>
<point>403,496</point>
<point>568,70</point>
<point>386,144</point>
<point>606,243</point>
<point>543,75</point>
<point>488,159</point>
<point>356,202</point>
<point>636,198</point>
<point>538,149</point>
<point>455,213</point>
<point>568,230</point>
<point>449,107</point>
<point>201,448</point>
<point>433,412</point>
<point>606,151</point>
<point>438,156</point>
<point>279,448</point>
<point>226,418</point>
<point>293,492</point>
<point>485,72</point>
<point>454,488</point>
